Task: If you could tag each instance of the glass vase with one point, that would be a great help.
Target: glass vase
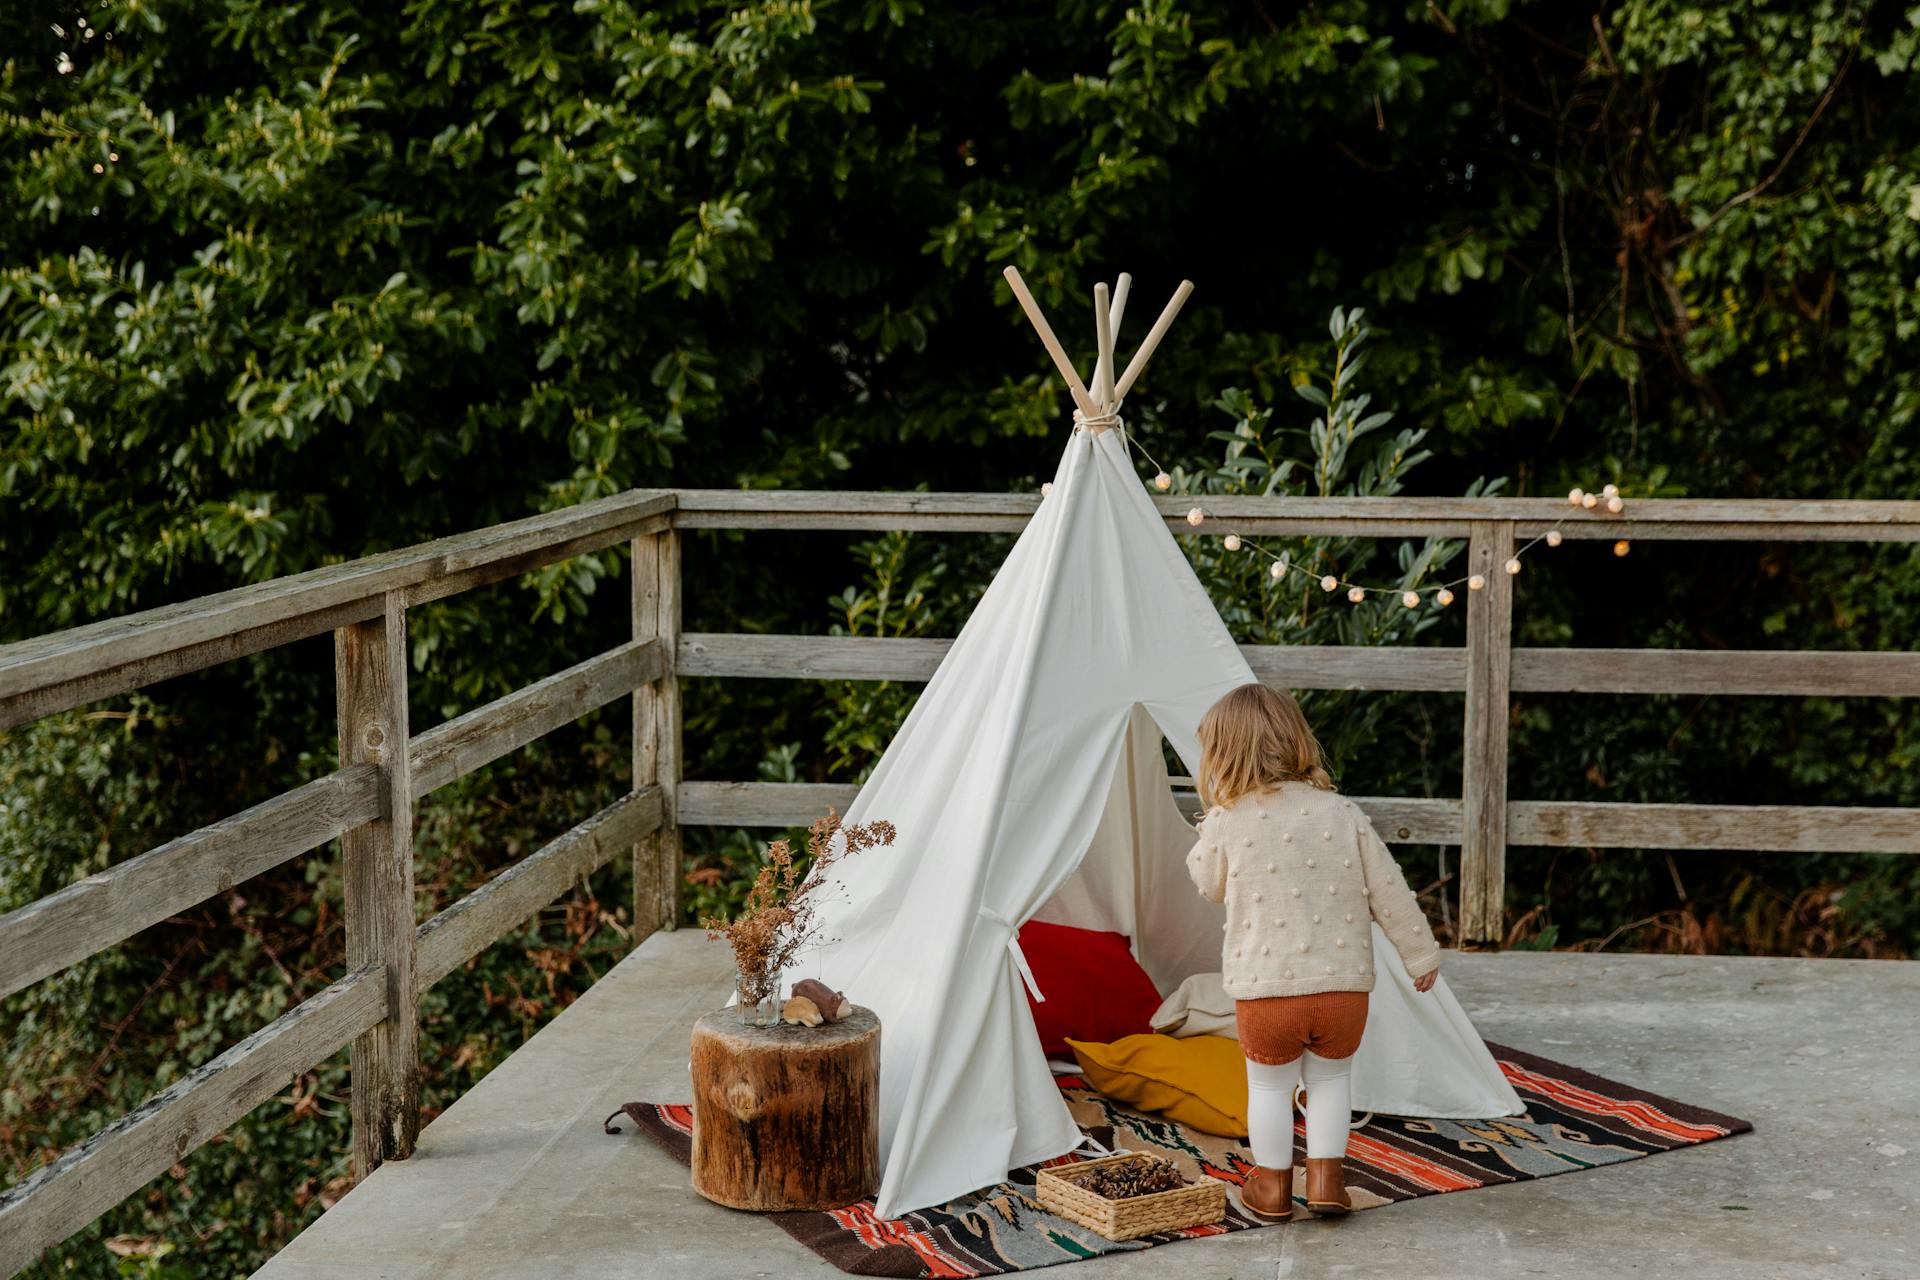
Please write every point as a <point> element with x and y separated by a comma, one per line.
<point>757,1013</point>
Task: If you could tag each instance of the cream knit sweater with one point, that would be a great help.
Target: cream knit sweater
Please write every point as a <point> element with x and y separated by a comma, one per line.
<point>1303,874</point>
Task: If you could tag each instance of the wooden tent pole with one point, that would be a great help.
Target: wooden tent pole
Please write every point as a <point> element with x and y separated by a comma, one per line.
<point>1093,377</point>
<point>1122,286</point>
<point>1103,339</point>
<point>1154,335</point>
<point>1051,343</point>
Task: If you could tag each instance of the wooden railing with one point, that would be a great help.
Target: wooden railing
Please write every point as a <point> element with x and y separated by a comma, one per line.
<point>1488,669</point>
<point>368,801</point>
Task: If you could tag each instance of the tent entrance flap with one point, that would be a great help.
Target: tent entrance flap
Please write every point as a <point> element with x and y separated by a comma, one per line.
<point>1132,879</point>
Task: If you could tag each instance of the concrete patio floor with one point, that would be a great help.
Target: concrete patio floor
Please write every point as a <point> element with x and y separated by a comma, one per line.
<point>517,1179</point>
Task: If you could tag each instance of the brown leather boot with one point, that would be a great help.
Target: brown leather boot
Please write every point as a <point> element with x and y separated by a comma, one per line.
<point>1268,1194</point>
<point>1327,1188</point>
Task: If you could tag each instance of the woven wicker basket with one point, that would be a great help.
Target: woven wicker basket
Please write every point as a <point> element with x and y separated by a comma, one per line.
<point>1193,1205</point>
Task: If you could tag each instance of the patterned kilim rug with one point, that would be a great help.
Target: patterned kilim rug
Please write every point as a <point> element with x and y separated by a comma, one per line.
<point>1574,1120</point>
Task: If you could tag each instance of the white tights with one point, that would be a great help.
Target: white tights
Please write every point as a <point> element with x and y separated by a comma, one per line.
<point>1270,1108</point>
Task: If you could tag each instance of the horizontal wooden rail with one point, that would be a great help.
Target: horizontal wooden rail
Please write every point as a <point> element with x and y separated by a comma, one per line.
<point>761,804</point>
<point>111,906</point>
<point>70,668</point>
<point>1332,666</point>
<point>481,736</point>
<point>1410,820</point>
<point>1746,672</point>
<point>508,900</point>
<point>1741,828</point>
<point>86,1181</point>
<point>87,684</point>
<point>788,657</point>
<point>1423,668</point>
<point>797,804</point>
<point>874,658</point>
<point>1782,520</point>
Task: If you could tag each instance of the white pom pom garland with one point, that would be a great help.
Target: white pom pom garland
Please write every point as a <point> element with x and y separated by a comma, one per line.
<point>1440,596</point>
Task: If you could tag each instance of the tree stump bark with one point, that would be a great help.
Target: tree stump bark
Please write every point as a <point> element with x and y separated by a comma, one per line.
<point>786,1117</point>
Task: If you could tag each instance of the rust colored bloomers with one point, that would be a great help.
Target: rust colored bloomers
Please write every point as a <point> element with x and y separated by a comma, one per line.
<point>1278,1029</point>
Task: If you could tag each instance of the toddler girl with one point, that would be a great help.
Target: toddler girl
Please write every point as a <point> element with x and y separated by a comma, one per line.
<point>1304,878</point>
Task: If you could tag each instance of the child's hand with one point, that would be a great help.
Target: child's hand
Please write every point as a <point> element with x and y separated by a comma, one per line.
<point>1426,980</point>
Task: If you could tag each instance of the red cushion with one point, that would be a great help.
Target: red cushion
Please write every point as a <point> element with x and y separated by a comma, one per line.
<point>1095,990</point>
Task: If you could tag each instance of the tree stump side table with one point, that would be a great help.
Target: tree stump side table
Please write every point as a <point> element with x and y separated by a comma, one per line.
<point>786,1117</point>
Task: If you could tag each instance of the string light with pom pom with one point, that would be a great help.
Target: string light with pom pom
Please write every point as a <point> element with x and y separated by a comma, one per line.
<point>1608,498</point>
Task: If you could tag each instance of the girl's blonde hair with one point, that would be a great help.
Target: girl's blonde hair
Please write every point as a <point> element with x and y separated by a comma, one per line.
<point>1254,739</point>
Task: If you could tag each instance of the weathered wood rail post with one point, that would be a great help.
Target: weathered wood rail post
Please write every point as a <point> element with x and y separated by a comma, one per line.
<point>370,673</point>
<point>1483,852</point>
<point>656,731</point>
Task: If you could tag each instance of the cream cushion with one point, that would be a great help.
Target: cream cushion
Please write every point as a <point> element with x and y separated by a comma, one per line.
<point>1200,1006</point>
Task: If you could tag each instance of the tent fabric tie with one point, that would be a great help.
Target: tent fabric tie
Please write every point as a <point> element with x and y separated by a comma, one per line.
<point>1013,948</point>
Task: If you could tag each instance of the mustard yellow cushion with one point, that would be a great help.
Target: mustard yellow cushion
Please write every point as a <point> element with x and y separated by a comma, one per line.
<point>1199,1081</point>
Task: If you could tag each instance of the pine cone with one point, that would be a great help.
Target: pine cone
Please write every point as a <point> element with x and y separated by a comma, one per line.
<point>1146,1176</point>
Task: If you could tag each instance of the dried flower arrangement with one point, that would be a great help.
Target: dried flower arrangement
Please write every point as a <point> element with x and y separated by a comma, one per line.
<point>779,919</point>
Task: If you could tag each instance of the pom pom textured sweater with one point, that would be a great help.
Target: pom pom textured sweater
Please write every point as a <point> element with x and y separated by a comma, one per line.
<point>1304,877</point>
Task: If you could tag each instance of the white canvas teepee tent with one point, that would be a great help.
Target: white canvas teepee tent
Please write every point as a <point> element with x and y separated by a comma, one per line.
<point>1029,781</point>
